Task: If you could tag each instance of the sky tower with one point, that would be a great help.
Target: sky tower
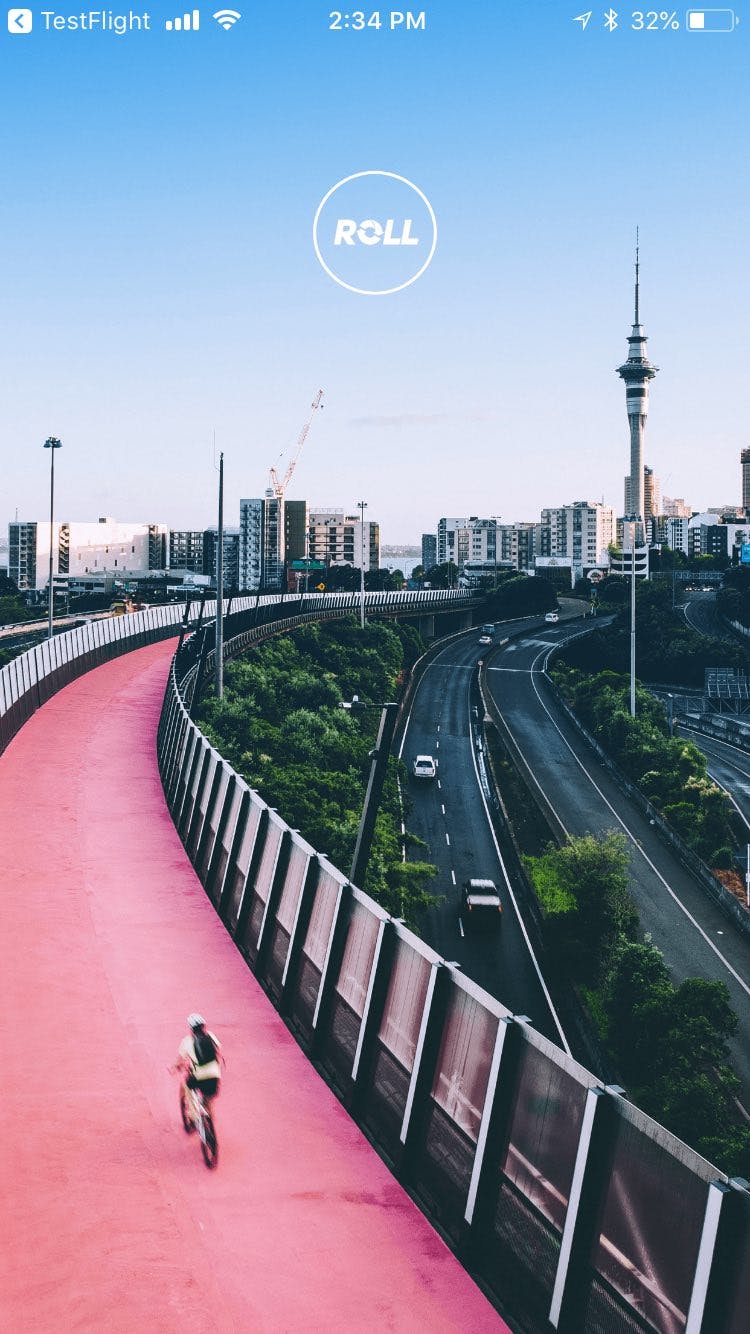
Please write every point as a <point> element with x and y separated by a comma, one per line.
<point>636,372</point>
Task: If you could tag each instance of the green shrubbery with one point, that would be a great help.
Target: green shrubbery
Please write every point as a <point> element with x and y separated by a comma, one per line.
<point>281,726</point>
<point>668,1043</point>
<point>668,649</point>
<point>670,771</point>
<point>519,595</point>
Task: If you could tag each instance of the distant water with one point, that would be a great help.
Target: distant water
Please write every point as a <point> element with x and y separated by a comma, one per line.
<point>403,563</point>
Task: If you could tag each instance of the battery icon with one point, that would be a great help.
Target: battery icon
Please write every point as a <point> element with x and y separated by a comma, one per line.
<point>711,20</point>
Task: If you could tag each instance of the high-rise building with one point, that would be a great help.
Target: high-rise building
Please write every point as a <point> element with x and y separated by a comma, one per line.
<point>295,530</point>
<point>186,550</point>
<point>261,543</point>
<point>675,508</point>
<point>336,538</point>
<point>581,532</point>
<point>652,501</point>
<point>745,460</point>
<point>231,570</point>
<point>636,372</point>
<point>429,550</point>
<point>103,550</point>
<point>452,541</point>
<point>22,555</point>
<point>251,545</point>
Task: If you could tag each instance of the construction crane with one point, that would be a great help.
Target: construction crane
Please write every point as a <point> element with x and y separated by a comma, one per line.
<point>279,487</point>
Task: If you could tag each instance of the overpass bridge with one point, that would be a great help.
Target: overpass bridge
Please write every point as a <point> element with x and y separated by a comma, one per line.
<point>571,1207</point>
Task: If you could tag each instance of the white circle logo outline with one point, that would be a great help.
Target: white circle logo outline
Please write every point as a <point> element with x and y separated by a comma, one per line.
<point>385,291</point>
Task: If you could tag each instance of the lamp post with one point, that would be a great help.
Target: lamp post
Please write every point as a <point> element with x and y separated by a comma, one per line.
<point>219,644</point>
<point>378,767</point>
<point>362,506</point>
<point>51,444</point>
<point>633,521</point>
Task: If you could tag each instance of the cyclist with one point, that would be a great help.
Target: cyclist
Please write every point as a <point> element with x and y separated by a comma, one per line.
<point>199,1057</point>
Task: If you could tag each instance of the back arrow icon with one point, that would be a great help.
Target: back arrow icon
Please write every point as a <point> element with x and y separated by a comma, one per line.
<point>583,19</point>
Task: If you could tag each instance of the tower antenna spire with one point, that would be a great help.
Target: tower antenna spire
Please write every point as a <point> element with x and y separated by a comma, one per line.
<point>637,275</point>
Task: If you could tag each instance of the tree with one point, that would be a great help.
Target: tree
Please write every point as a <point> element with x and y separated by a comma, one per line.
<point>588,908</point>
<point>280,725</point>
<point>442,576</point>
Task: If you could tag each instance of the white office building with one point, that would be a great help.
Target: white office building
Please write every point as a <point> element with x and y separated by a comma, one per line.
<point>106,550</point>
<point>582,532</point>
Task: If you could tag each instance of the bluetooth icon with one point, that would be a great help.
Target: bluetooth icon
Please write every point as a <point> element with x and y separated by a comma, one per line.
<point>610,20</point>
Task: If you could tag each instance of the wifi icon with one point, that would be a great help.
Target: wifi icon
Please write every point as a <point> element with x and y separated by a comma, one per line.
<point>227,17</point>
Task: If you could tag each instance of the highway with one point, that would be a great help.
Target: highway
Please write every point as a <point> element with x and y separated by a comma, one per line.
<point>729,766</point>
<point>450,815</point>
<point>581,797</point>
<point>701,615</point>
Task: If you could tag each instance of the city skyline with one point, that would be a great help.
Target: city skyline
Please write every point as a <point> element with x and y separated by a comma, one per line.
<point>164,285</point>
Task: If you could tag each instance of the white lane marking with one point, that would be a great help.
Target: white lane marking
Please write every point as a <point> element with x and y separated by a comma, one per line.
<point>448,839</point>
<point>442,807</point>
<point>721,759</point>
<point>437,745</point>
<point>461,927</point>
<point>631,836</point>
<point>513,900</point>
<point>727,792</point>
<point>453,875</point>
<point>523,670</point>
<point>438,727</point>
<point>438,782</point>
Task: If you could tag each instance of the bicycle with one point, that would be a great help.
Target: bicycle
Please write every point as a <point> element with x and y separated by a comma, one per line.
<point>196,1115</point>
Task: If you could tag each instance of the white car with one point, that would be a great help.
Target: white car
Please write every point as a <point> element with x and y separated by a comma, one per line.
<point>485,639</point>
<point>424,767</point>
<point>552,616</point>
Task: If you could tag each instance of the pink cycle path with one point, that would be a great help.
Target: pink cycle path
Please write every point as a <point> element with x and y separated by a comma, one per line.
<point>111,1221</point>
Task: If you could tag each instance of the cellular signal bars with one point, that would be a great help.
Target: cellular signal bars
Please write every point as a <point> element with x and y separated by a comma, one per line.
<point>187,23</point>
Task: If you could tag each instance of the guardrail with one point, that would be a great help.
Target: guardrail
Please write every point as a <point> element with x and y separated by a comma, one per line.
<point>710,884</point>
<point>33,676</point>
<point>556,1192</point>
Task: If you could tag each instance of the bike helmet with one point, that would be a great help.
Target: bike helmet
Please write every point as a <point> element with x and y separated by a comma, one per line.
<point>196,1021</point>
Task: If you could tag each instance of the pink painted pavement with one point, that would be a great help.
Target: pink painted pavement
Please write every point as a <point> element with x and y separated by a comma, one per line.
<point>110,1220</point>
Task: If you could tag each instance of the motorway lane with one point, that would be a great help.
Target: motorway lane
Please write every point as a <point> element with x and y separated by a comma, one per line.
<point>729,766</point>
<point>450,816</point>
<point>701,614</point>
<point>696,942</point>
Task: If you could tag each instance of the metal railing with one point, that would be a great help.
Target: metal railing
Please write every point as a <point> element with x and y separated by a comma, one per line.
<point>574,1208</point>
<point>557,1193</point>
<point>34,675</point>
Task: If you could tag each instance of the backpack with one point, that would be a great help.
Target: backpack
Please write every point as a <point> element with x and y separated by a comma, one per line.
<point>205,1048</point>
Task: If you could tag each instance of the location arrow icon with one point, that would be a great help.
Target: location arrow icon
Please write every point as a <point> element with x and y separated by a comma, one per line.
<point>583,19</point>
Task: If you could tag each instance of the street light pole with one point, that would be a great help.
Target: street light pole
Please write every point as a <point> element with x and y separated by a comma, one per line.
<point>633,521</point>
<point>378,768</point>
<point>219,649</point>
<point>51,444</point>
<point>362,506</point>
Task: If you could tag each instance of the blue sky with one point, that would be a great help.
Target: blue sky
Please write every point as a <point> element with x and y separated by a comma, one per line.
<point>160,282</point>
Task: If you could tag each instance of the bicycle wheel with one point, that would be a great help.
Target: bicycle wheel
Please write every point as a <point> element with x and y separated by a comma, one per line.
<point>209,1146</point>
<point>188,1124</point>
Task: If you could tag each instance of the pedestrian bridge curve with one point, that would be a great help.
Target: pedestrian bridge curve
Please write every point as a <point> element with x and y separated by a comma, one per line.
<point>113,1221</point>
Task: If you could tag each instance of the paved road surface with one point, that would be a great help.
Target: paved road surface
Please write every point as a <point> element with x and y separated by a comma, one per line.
<point>729,766</point>
<point>450,816</point>
<point>111,1221</point>
<point>694,936</point>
